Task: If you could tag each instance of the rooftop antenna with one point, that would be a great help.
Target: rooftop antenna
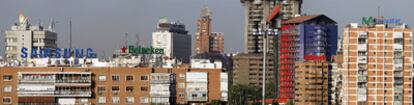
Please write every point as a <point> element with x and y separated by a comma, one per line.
<point>126,39</point>
<point>70,33</point>
<point>379,11</point>
<point>40,22</point>
<point>137,41</point>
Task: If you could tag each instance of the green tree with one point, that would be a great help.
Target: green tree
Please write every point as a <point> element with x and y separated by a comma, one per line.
<point>290,102</point>
<point>244,94</point>
<point>215,102</point>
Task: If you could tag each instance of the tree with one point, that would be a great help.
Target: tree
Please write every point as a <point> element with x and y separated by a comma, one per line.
<point>215,102</point>
<point>244,94</point>
<point>290,102</point>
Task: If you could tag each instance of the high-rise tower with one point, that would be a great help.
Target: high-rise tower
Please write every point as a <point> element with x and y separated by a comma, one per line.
<point>203,31</point>
<point>257,11</point>
<point>377,63</point>
<point>207,41</point>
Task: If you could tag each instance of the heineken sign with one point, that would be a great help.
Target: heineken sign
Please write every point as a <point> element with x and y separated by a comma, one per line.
<point>142,50</point>
<point>370,21</point>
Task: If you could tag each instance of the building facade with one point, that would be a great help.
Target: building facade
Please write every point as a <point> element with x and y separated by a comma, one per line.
<point>216,43</point>
<point>248,69</point>
<point>207,41</point>
<point>257,11</point>
<point>24,35</point>
<point>174,39</point>
<point>263,18</point>
<point>304,38</point>
<point>109,86</point>
<point>311,83</point>
<point>377,64</point>
<point>203,31</point>
<point>335,79</point>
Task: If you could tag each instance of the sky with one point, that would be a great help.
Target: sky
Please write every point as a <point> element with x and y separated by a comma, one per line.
<point>102,24</point>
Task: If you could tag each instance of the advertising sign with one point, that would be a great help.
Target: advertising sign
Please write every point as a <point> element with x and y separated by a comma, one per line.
<point>57,53</point>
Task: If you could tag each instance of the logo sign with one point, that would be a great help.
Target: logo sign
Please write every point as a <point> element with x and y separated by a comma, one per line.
<point>142,50</point>
<point>389,21</point>
<point>370,21</point>
<point>57,53</point>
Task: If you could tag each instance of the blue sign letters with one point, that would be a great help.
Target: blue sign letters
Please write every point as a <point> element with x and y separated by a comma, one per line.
<point>57,53</point>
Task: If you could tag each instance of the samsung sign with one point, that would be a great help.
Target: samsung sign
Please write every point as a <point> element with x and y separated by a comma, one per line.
<point>57,53</point>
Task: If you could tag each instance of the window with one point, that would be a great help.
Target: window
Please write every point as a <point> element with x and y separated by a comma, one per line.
<point>144,100</point>
<point>130,89</point>
<point>115,77</point>
<point>115,89</point>
<point>101,100</point>
<point>7,77</point>
<point>7,88</point>
<point>115,100</point>
<point>129,99</point>
<point>182,76</point>
<point>102,78</point>
<point>181,85</point>
<point>84,100</point>
<point>144,77</point>
<point>101,90</point>
<point>144,88</point>
<point>181,95</point>
<point>7,100</point>
<point>129,78</point>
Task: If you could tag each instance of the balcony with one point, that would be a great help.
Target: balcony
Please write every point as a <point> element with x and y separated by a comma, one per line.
<point>362,35</point>
<point>362,78</point>
<point>362,47</point>
<point>197,96</point>
<point>398,62</point>
<point>73,93</point>
<point>56,93</point>
<point>36,78</point>
<point>398,82</point>
<point>160,94</point>
<point>362,59</point>
<point>398,35</point>
<point>161,78</point>
<point>398,74</point>
<point>362,94</point>
<point>398,47</point>
<point>37,93</point>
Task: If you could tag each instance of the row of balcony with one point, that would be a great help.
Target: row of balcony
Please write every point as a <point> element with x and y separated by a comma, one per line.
<point>56,93</point>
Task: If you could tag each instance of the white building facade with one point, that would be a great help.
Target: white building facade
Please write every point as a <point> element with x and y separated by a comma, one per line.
<point>24,35</point>
<point>174,39</point>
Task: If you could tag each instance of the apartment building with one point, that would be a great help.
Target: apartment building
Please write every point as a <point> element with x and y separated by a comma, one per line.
<point>25,35</point>
<point>108,86</point>
<point>304,38</point>
<point>249,69</point>
<point>217,42</point>
<point>377,63</point>
<point>311,83</point>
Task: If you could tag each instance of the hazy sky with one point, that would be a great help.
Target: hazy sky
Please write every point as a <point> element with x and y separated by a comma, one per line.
<point>101,24</point>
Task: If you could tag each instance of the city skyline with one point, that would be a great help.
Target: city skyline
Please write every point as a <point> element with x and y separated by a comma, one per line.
<point>107,21</point>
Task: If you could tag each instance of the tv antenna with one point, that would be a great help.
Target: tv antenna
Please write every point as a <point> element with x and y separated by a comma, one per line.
<point>137,40</point>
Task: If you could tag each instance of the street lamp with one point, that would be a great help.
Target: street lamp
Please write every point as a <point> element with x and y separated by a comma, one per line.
<point>264,30</point>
